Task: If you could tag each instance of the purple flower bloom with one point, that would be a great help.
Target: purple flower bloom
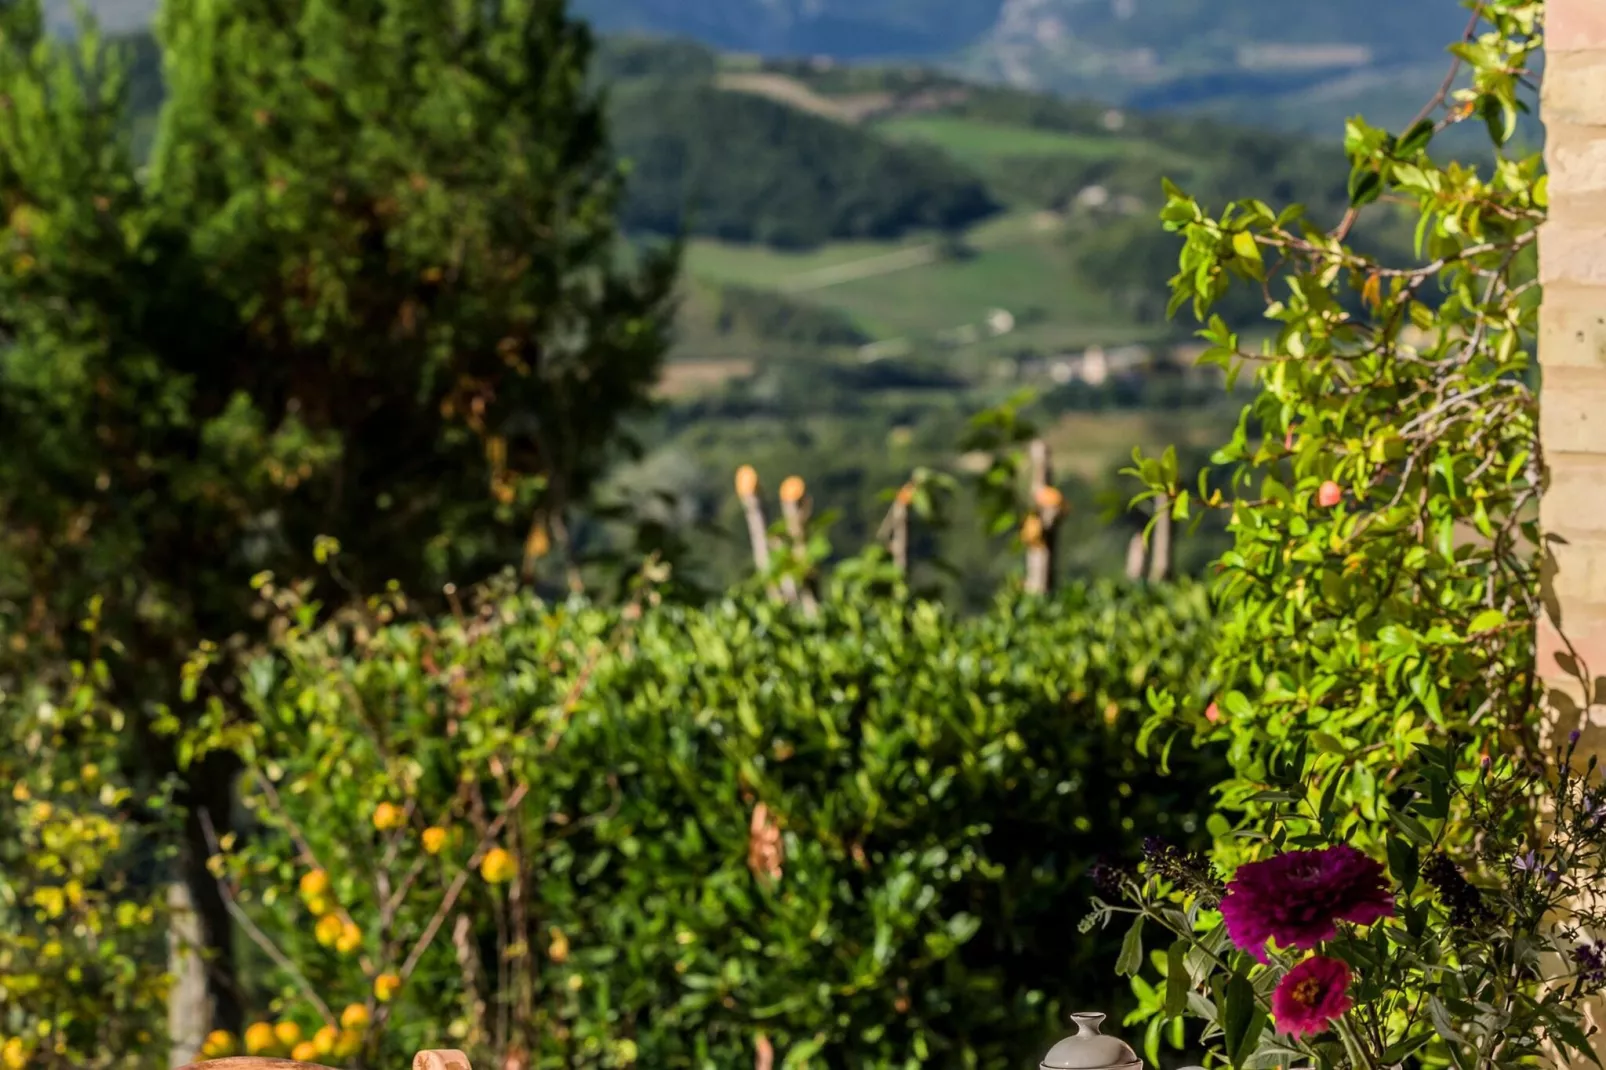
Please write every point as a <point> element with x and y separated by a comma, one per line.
<point>1526,863</point>
<point>1310,996</point>
<point>1298,898</point>
<point>1591,963</point>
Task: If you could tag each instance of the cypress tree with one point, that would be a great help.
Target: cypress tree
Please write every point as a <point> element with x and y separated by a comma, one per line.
<point>369,287</point>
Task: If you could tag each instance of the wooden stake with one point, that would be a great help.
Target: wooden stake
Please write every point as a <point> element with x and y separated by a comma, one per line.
<point>1038,533</point>
<point>757,531</point>
<point>1160,563</point>
<point>795,512</point>
<point>1135,552</point>
<point>898,537</point>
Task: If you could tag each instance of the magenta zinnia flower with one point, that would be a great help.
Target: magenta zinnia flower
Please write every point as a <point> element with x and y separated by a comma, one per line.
<point>1297,898</point>
<point>1310,996</point>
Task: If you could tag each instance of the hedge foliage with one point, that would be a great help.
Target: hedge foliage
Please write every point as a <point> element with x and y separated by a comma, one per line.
<point>691,836</point>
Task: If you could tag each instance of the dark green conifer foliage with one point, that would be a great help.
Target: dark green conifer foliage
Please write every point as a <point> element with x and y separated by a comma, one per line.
<point>369,287</point>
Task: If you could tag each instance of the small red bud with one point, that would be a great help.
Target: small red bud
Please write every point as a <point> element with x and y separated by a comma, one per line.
<point>1329,494</point>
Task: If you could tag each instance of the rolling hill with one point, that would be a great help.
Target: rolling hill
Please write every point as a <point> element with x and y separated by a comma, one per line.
<point>876,251</point>
<point>1302,66</point>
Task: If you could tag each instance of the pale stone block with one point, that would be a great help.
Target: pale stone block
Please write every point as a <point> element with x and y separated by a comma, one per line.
<point>1575,88</point>
<point>1572,328</point>
<point>1576,499</point>
<point>1572,253</point>
<point>1575,26</point>
<point>1572,410</point>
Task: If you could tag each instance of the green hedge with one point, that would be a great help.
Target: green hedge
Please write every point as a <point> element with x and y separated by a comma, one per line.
<point>942,786</point>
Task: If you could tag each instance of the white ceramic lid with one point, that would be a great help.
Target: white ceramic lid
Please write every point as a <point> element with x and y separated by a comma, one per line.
<point>1089,1049</point>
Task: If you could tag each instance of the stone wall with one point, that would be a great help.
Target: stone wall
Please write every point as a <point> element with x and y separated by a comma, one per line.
<point>1572,358</point>
<point>1572,343</point>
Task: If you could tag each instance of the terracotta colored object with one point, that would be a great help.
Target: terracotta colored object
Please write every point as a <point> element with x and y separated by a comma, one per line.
<point>431,1059</point>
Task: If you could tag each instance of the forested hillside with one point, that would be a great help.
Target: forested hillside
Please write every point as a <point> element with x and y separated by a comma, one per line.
<point>876,252</point>
<point>740,167</point>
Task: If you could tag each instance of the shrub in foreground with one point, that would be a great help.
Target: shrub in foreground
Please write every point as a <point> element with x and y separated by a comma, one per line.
<point>590,837</point>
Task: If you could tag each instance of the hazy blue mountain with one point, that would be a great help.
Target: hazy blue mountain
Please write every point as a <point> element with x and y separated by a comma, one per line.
<point>1299,63</point>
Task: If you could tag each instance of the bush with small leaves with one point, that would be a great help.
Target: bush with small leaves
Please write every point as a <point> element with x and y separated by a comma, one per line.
<point>679,835</point>
<point>83,909</point>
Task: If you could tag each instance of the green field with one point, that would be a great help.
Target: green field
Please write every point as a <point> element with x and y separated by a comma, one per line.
<point>970,140</point>
<point>761,265</point>
<point>1019,262</point>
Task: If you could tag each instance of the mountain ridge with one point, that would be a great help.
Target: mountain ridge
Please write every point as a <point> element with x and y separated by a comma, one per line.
<point>1324,59</point>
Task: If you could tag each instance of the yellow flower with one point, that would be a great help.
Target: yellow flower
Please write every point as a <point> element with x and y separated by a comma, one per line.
<point>259,1038</point>
<point>12,1054</point>
<point>325,1039</point>
<point>314,883</point>
<point>350,939</point>
<point>288,1034</point>
<point>354,1016</point>
<point>219,1044</point>
<point>349,1043</point>
<point>434,839</point>
<point>305,1052</point>
<point>328,930</point>
<point>497,867</point>
<point>319,905</point>
<point>53,901</point>
<point>387,816</point>
<point>385,986</point>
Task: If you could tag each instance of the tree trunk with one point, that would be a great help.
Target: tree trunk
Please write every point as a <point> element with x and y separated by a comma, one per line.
<point>209,787</point>
<point>189,1012</point>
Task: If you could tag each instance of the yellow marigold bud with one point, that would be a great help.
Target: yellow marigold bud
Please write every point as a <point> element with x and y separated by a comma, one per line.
<point>746,481</point>
<point>355,1016</point>
<point>497,867</point>
<point>792,489</point>
<point>219,1044</point>
<point>434,839</point>
<point>325,1039</point>
<point>314,883</point>
<point>385,986</point>
<point>387,816</point>
<point>305,1052</point>
<point>13,1056</point>
<point>20,792</point>
<point>328,930</point>
<point>259,1038</point>
<point>319,905</point>
<point>350,939</point>
<point>558,949</point>
<point>288,1034</point>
